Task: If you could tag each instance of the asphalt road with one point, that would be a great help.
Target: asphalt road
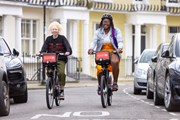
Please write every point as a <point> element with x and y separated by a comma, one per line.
<point>83,103</point>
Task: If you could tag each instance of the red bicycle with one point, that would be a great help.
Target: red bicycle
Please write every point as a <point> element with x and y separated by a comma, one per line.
<point>49,61</point>
<point>103,58</point>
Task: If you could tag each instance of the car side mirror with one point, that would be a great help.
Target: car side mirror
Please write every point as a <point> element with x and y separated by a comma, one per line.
<point>165,54</point>
<point>15,52</point>
<point>136,61</point>
<point>154,59</point>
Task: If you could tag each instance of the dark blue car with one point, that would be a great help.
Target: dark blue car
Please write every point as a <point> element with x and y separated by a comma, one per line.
<point>167,78</point>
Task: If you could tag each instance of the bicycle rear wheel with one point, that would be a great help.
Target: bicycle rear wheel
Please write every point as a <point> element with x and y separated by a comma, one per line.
<point>103,92</point>
<point>49,93</point>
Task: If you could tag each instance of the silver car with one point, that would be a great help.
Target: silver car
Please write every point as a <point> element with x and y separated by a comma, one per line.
<point>141,67</point>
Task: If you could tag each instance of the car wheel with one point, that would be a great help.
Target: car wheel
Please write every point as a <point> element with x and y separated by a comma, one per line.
<point>157,99</point>
<point>136,91</point>
<point>22,98</point>
<point>149,94</point>
<point>4,99</point>
<point>168,95</point>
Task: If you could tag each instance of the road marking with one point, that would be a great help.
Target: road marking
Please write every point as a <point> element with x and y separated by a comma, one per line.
<point>172,113</point>
<point>138,99</point>
<point>91,113</point>
<point>77,114</point>
<point>66,114</point>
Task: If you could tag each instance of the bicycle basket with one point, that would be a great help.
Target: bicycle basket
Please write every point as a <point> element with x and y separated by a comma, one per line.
<point>49,58</point>
<point>102,57</point>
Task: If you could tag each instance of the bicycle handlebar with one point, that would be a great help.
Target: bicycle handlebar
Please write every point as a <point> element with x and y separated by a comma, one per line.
<point>114,51</point>
<point>41,54</point>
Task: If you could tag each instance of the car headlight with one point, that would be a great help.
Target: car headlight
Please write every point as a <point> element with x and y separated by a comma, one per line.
<point>140,72</point>
<point>14,63</point>
<point>177,66</point>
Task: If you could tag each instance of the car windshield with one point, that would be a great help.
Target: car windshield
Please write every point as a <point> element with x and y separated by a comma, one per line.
<point>3,47</point>
<point>146,56</point>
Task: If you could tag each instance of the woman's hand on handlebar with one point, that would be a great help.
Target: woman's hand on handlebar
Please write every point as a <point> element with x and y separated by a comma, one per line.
<point>90,51</point>
<point>119,50</point>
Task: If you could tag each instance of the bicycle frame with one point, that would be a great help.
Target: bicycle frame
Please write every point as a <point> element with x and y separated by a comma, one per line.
<point>105,72</point>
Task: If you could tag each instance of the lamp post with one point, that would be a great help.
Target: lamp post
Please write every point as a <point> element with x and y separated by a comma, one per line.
<point>44,18</point>
<point>44,36</point>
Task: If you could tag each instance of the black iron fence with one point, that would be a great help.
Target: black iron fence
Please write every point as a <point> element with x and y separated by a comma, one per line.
<point>34,69</point>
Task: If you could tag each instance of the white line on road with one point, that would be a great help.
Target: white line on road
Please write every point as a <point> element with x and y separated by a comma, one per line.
<point>138,99</point>
<point>77,114</point>
<point>91,113</point>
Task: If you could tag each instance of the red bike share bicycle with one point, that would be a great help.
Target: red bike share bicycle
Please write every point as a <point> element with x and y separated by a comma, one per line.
<point>49,61</point>
<point>103,58</point>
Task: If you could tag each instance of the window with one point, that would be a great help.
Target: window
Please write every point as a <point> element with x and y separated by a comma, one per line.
<point>29,37</point>
<point>95,27</point>
<point>143,29</point>
<point>0,25</point>
<point>173,1</point>
<point>174,29</point>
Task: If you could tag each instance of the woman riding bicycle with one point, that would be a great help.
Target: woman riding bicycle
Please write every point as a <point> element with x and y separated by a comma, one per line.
<point>57,43</point>
<point>108,38</point>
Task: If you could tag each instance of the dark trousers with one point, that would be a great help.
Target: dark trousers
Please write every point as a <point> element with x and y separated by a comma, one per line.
<point>61,72</point>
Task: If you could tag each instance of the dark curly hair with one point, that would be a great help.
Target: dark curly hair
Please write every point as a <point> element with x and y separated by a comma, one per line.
<point>108,16</point>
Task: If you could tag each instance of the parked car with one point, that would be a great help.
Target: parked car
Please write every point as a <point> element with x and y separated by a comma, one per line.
<point>15,72</point>
<point>151,69</point>
<point>4,88</point>
<point>141,66</point>
<point>167,78</point>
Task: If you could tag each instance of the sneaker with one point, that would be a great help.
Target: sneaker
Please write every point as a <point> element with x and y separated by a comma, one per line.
<point>115,87</point>
<point>61,96</point>
<point>99,90</point>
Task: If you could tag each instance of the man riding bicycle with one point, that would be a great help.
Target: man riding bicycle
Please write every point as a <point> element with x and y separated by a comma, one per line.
<point>108,38</point>
<point>57,43</point>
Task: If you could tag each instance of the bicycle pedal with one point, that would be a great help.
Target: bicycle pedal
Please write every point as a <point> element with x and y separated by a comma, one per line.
<point>114,89</point>
<point>61,98</point>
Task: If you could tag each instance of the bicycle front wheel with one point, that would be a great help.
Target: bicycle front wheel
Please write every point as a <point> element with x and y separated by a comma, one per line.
<point>103,92</point>
<point>57,100</point>
<point>109,100</point>
<point>49,93</point>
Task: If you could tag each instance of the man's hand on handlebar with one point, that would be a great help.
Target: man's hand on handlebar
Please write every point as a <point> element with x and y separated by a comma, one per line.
<point>90,51</point>
<point>67,53</point>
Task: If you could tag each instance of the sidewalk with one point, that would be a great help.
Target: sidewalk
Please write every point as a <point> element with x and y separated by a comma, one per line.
<point>69,83</point>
